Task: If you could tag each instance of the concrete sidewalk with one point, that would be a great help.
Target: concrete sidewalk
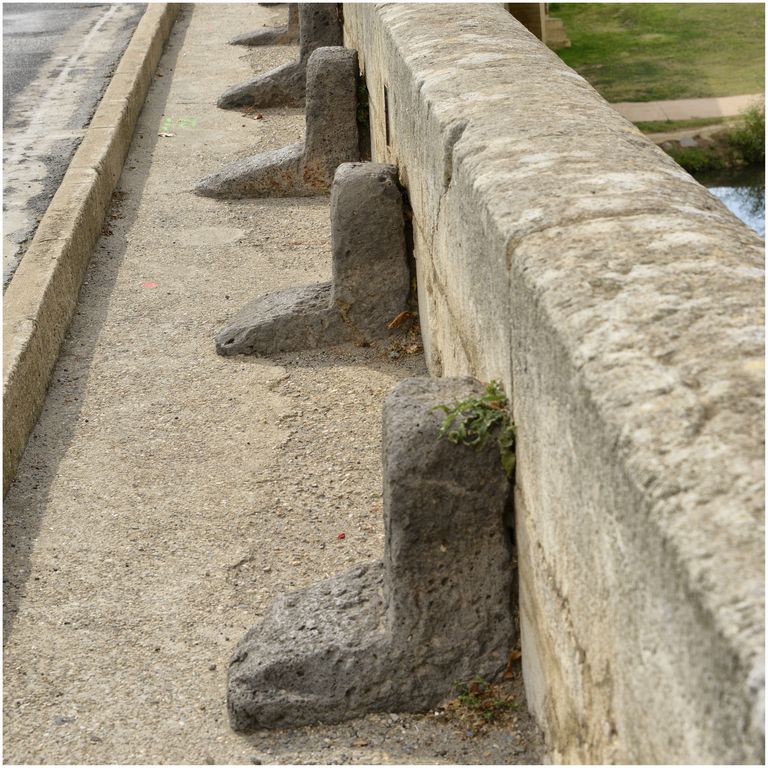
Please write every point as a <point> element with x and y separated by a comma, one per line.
<point>167,494</point>
<point>686,109</point>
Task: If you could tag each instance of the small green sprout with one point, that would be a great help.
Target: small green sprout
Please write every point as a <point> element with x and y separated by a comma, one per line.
<point>474,420</point>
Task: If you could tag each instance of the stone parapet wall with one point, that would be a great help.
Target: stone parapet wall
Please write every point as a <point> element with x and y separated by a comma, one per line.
<point>561,252</point>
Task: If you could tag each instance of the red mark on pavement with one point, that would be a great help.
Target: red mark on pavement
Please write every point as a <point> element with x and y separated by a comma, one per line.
<point>150,285</point>
<point>342,536</point>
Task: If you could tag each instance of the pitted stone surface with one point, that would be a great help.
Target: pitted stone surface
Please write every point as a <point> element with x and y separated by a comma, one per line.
<point>371,280</point>
<point>284,35</point>
<point>331,110</point>
<point>270,174</point>
<point>295,318</point>
<point>317,651</point>
<point>395,635</point>
<point>283,86</point>
<point>447,553</point>
<point>303,170</point>
<point>319,26</point>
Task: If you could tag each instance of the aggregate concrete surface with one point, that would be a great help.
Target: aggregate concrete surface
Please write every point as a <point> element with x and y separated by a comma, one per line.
<point>168,494</point>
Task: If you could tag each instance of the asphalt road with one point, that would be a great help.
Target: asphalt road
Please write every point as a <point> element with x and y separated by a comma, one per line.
<point>57,62</point>
<point>30,35</point>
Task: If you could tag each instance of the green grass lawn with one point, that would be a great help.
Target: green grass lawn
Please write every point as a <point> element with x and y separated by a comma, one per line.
<point>653,51</point>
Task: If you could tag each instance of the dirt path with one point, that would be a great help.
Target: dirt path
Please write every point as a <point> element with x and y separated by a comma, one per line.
<point>167,494</point>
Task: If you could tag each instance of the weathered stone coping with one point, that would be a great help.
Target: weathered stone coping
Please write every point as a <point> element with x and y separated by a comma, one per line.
<point>559,250</point>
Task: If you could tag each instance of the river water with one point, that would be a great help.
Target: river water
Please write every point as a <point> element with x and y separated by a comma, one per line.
<point>743,192</point>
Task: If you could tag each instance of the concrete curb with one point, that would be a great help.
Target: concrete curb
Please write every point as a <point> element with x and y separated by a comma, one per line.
<point>41,297</point>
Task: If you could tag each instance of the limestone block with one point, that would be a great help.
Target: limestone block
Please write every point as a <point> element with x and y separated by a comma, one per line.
<point>394,635</point>
<point>319,26</point>
<point>302,170</point>
<point>284,35</point>
<point>370,275</point>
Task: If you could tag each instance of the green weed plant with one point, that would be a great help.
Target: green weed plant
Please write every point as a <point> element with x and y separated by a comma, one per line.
<point>476,420</point>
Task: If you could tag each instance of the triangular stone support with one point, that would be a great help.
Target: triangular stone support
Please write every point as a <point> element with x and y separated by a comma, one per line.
<point>371,277</point>
<point>319,27</point>
<point>397,634</point>
<point>284,35</point>
<point>331,138</point>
